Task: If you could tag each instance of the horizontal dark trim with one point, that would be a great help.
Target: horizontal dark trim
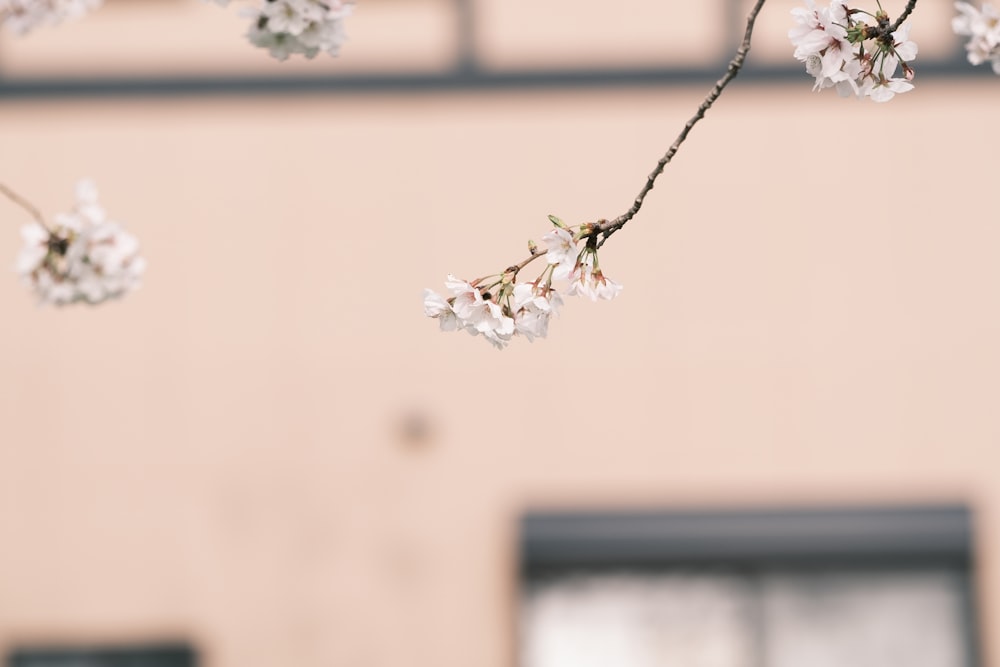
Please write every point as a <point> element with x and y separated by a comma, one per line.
<point>911,534</point>
<point>463,79</point>
<point>127,655</point>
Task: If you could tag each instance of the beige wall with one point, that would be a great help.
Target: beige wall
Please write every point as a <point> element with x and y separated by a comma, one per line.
<point>810,316</point>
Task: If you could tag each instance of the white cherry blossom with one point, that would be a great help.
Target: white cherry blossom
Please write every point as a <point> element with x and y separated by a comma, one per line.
<point>288,27</point>
<point>22,16</point>
<point>561,251</point>
<point>845,53</point>
<point>469,310</point>
<point>500,308</point>
<point>483,316</point>
<point>84,257</point>
<point>533,306</point>
<point>820,41</point>
<point>592,283</point>
<point>468,301</point>
<point>982,26</point>
<point>437,306</point>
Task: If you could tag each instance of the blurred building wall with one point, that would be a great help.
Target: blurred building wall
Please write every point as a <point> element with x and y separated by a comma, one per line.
<point>270,451</point>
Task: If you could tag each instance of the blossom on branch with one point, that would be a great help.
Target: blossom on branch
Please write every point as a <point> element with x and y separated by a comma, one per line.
<point>846,53</point>
<point>982,26</point>
<point>561,251</point>
<point>82,257</point>
<point>499,308</point>
<point>592,283</point>
<point>286,27</point>
<point>534,304</point>
<point>21,16</point>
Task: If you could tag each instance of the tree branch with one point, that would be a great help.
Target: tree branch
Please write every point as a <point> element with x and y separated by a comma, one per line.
<point>902,17</point>
<point>608,227</point>
<point>26,205</point>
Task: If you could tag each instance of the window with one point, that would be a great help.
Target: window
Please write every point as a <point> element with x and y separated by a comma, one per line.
<point>821,588</point>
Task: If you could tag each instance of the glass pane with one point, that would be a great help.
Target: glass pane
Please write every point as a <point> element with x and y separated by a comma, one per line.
<point>661,620</point>
<point>875,619</point>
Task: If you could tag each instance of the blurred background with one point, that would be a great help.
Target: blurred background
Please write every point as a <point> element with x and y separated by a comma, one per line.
<point>779,446</point>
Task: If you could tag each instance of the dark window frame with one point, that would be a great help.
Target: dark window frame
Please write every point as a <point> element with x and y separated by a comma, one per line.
<point>554,543</point>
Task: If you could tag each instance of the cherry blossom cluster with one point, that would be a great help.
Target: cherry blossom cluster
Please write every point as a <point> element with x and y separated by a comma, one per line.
<point>286,27</point>
<point>82,257</point>
<point>841,50</point>
<point>982,26</point>
<point>500,308</point>
<point>21,16</point>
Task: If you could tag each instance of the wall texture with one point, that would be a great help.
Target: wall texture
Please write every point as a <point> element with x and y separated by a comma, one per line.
<point>270,450</point>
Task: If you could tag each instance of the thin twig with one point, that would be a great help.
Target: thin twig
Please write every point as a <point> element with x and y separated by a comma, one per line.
<point>26,205</point>
<point>902,17</point>
<point>608,227</point>
<point>524,262</point>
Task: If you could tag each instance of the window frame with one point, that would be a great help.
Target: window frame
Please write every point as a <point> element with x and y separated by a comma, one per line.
<point>752,541</point>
